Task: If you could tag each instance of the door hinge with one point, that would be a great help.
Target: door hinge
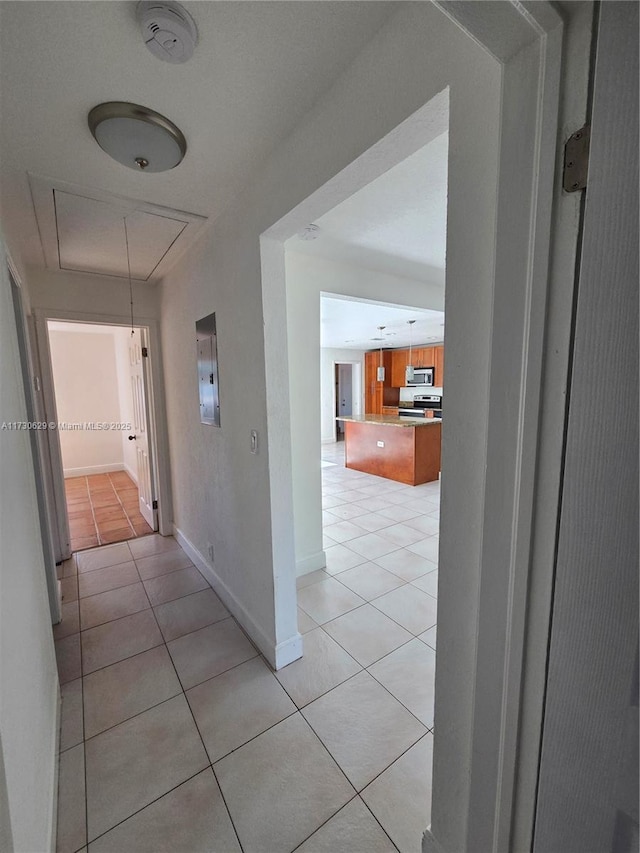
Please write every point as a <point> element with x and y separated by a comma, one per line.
<point>154,505</point>
<point>576,160</point>
<point>145,352</point>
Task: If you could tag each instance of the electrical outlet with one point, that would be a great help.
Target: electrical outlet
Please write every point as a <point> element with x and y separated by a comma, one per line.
<point>380,443</point>
<point>210,551</point>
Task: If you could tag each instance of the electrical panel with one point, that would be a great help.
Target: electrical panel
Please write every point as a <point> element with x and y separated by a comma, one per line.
<point>207,354</point>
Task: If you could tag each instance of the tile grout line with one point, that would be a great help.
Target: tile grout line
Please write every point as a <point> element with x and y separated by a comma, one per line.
<point>331,817</point>
<point>126,514</point>
<point>135,715</point>
<point>195,722</point>
<point>366,669</point>
<point>297,709</point>
<point>118,501</point>
<point>133,814</point>
<point>135,534</point>
<point>358,606</point>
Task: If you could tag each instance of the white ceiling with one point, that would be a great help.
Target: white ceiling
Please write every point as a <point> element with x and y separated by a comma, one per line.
<point>258,68</point>
<point>353,324</point>
<point>396,224</point>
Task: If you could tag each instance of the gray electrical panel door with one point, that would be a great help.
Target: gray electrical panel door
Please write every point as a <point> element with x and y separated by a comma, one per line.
<point>207,354</point>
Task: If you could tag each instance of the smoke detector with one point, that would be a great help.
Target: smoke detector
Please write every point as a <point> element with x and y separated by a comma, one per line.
<point>311,232</point>
<point>168,30</point>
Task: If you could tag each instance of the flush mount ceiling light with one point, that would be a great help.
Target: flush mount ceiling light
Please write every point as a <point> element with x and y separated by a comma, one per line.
<point>137,137</point>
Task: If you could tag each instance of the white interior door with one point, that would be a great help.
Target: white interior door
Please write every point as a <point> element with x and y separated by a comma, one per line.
<point>588,784</point>
<point>140,432</point>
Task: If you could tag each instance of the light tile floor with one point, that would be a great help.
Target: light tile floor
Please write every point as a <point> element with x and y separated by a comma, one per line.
<point>176,735</point>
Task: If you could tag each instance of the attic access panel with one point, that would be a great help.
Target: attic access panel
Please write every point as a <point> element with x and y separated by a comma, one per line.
<point>91,237</point>
<point>207,354</point>
<point>82,230</point>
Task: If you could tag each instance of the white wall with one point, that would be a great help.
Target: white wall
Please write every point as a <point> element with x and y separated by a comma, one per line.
<point>29,692</point>
<point>223,494</point>
<point>86,386</point>
<point>68,294</point>
<point>328,358</point>
<point>311,412</point>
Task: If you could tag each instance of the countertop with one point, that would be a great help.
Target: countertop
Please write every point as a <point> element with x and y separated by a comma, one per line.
<point>391,420</point>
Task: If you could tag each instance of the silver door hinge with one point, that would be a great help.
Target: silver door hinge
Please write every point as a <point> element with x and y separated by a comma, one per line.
<point>576,160</point>
<point>145,352</point>
<point>154,505</point>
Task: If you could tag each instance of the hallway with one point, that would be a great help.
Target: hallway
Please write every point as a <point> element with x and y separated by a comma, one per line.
<point>189,741</point>
<point>102,509</point>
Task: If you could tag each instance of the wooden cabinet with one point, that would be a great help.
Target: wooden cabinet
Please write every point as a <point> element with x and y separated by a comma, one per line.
<point>438,378</point>
<point>420,357</point>
<point>370,368</point>
<point>378,394</point>
<point>423,357</point>
<point>399,362</point>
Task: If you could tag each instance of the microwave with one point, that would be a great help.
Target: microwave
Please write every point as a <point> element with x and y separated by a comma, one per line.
<point>421,376</point>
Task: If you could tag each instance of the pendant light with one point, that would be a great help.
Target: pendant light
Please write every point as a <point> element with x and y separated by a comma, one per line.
<point>126,241</point>
<point>409,370</point>
<point>381,366</point>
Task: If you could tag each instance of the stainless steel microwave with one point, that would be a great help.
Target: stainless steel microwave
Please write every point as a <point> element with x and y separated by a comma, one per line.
<point>421,376</point>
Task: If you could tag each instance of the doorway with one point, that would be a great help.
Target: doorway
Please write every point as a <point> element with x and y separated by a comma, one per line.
<point>105,443</point>
<point>343,396</point>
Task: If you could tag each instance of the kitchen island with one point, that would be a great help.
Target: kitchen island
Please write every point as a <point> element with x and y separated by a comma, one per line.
<point>403,449</point>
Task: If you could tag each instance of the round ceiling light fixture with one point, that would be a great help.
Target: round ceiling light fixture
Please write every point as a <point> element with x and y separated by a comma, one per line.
<point>168,30</point>
<point>137,137</point>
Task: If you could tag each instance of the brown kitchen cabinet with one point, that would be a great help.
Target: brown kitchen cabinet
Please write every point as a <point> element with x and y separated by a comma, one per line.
<point>378,394</point>
<point>420,357</point>
<point>438,378</point>
<point>423,357</point>
<point>399,362</point>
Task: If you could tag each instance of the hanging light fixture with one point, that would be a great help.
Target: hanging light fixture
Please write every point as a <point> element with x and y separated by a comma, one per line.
<point>126,242</point>
<point>381,366</point>
<point>409,370</point>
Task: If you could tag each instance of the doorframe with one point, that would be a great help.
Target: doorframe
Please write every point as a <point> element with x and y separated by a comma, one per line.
<point>356,366</point>
<point>154,392</point>
<point>488,719</point>
<point>29,363</point>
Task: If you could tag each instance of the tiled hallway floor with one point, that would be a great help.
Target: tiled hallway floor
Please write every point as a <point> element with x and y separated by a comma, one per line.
<point>176,736</point>
<point>103,508</point>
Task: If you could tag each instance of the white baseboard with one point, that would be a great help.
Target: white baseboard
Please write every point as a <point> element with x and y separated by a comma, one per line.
<point>53,816</point>
<point>133,474</point>
<point>278,655</point>
<point>94,469</point>
<point>311,563</point>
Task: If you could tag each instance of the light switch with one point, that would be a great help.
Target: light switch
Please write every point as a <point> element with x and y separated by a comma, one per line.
<point>254,440</point>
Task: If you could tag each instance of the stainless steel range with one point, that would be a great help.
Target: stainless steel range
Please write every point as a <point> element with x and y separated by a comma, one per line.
<point>421,404</point>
